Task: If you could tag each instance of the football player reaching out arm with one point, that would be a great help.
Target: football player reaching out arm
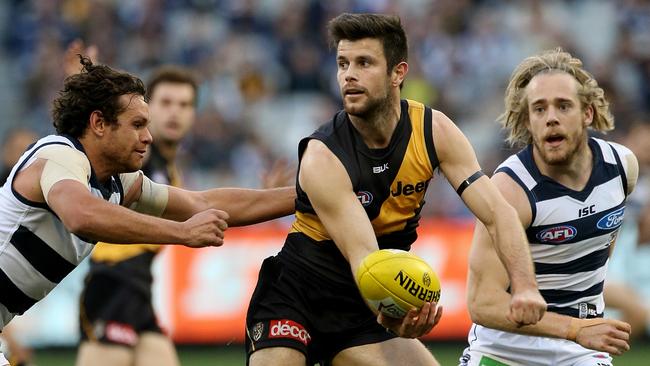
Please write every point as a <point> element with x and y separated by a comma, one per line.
<point>458,162</point>
<point>192,218</point>
<point>349,226</point>
<point>488,283</point>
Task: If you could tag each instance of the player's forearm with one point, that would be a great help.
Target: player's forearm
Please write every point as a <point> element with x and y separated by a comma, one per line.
<point>512,248</point>
<point>115,224</point>
<point>251,206</point>
<point>489,307</point>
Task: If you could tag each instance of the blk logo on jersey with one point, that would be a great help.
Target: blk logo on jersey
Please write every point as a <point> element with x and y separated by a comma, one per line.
<point>380,168</point>
<point>364,197</point>
<point>557,234</point>
<point>611,220</point>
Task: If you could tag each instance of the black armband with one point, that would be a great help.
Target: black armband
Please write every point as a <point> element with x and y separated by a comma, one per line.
<point>463,186</point>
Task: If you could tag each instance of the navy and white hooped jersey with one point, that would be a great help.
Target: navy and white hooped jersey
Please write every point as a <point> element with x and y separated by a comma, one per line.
<point>572,232</point>
<point>36,249</point>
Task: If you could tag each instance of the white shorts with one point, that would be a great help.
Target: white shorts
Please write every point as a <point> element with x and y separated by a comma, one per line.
<point>490,347</point>
<point>3,360</point>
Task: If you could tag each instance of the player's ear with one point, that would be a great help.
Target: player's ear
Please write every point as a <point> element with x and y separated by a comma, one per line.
<point>588,115</point>
<point>97,123</point>
<point>399,73</point>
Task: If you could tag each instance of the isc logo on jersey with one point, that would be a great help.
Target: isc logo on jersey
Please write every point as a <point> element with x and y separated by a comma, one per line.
<point>611,220</point>
<point>557,234</point>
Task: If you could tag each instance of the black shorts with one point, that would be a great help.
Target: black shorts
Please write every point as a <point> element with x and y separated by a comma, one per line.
<point>115,312</point>
<point>306,299</point>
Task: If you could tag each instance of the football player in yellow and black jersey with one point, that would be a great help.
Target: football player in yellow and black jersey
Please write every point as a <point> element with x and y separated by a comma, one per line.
<point>361,182</point>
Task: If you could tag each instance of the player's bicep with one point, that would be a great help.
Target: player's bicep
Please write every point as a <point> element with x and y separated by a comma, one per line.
<point>457,157</point>
<point>71,200</point>
<point>326,182</point>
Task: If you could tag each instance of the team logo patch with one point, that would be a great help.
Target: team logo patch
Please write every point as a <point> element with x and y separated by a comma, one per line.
<point>612,220</point>
<point>285,328</point>
<point>258,329</point>
<point>364,197</point>
<point>426,279</point>
<point>121,333</point>
<point>557,234</point>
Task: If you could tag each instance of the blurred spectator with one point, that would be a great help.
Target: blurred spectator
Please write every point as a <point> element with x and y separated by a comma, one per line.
<point>628,285</point>
<point>253,54</point>
<point>14,144</point>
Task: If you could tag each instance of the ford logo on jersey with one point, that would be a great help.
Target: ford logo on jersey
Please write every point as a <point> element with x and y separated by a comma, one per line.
<point>611,220</point>
<point>364,197</point>
<point>557,234</point>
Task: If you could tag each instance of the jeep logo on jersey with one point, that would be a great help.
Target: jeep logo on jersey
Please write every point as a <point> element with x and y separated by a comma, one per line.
<point>364,197</point>
<point>408,189</point>
<point>558,234</point>
<point>611,220</point>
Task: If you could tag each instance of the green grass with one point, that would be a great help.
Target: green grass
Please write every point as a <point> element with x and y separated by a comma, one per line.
<point>233,355</point>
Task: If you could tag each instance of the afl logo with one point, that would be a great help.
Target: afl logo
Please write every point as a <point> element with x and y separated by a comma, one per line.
<point>364,197</point>
<point>558,234</point>
<point>611,220</point>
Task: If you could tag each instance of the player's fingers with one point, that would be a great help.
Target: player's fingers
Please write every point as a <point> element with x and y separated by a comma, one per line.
<point>513,317</point>
<point>434,317</point>
<point>531,316</point>
<point>620,344</point>
<point>438,316</point>
<point>406,328</point>
<point>516,312</point>
<point>621,335</point>
<point>222,214</point>
<point>615,350</point>
<point>423,316</point>
<point>92,52</point>
<point>623,326</point>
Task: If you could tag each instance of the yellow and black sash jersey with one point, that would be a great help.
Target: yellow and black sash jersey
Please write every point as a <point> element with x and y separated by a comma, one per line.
<point>132,262</point>
<point>390,182</point>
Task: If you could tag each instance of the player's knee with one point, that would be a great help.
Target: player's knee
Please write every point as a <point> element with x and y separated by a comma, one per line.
<point>280,356</point>
<point>99,354</point>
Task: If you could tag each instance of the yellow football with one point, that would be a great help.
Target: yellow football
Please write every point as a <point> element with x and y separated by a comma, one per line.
<point>394,281</point>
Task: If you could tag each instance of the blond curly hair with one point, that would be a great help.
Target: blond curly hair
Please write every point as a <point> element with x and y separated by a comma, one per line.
<point>515,117</point>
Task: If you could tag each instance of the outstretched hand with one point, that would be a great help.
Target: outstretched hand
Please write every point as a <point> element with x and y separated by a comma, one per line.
<point>281,174</point>
<point>606,335</point>
<point>527,307</point>
<point>416,323</point>
<point>206,228</point>
<point>71,63</point>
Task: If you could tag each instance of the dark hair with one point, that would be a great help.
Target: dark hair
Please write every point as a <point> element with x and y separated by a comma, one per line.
<point>172,74</point>
<point>387,28</point>
<point>95,88</point>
